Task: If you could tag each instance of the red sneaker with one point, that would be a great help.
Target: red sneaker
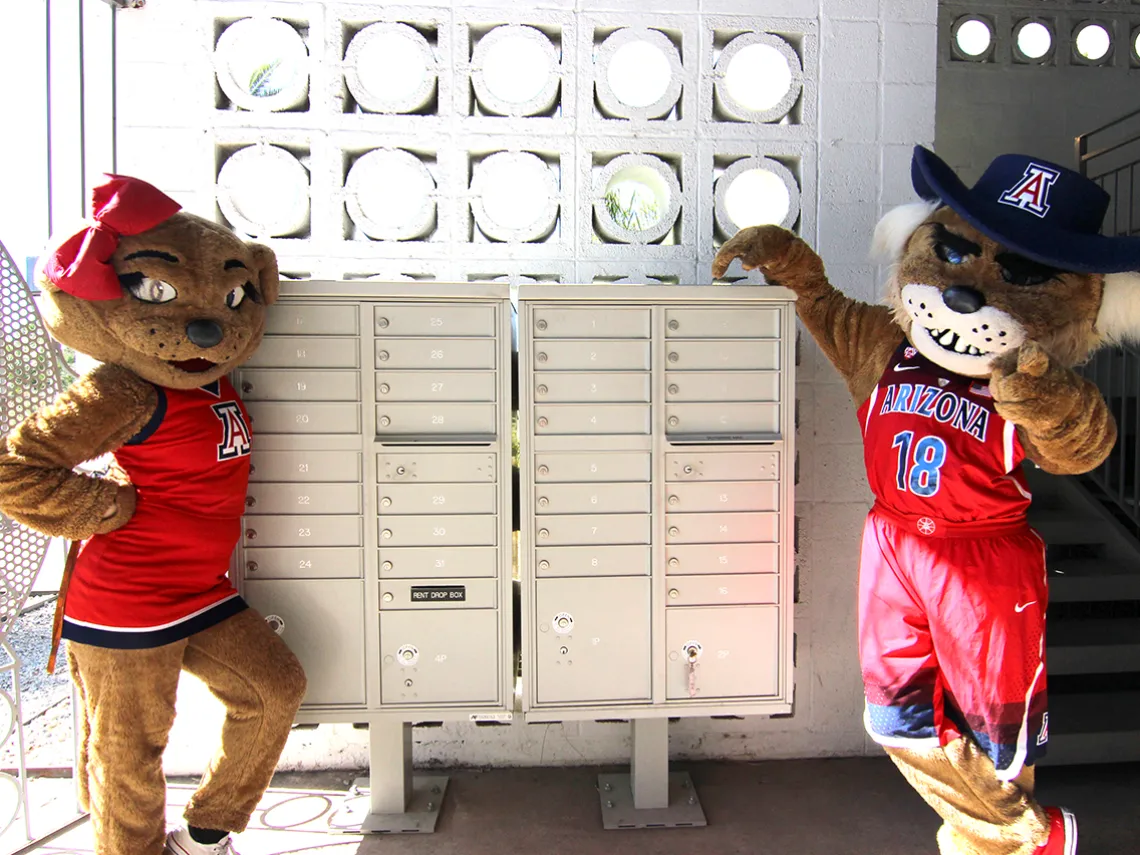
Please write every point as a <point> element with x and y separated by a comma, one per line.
<point>1062,833</point>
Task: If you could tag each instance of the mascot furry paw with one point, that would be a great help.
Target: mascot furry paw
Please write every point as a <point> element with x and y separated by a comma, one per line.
<point>997,291</point>
<point>169,304</point>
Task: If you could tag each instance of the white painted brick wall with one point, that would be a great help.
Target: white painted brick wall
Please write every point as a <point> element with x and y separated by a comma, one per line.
<point>868,97</point>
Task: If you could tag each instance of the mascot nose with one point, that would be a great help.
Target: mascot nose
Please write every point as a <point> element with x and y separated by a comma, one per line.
<point>963,300</point>
<point>204,333</point>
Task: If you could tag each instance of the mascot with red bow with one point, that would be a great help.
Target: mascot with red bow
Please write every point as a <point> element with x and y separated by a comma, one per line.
<point>168,304</point>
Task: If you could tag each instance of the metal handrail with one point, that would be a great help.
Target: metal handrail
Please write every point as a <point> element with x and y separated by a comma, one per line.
<point>1116,372</point>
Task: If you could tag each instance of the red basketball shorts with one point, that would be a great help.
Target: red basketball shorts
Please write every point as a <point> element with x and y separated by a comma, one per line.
<point>951,636</point>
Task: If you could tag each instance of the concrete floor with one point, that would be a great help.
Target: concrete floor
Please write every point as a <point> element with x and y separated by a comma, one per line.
<point>813,807</point>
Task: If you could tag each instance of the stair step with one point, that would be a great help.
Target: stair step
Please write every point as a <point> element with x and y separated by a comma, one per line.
<point>1092,580</point>
<point>1099,646</point>
<point>1097,727</point>
<point>1059,526</point>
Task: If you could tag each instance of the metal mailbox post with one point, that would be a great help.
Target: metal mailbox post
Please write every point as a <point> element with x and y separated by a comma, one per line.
<point>377,540</point>
<point>656,427</point>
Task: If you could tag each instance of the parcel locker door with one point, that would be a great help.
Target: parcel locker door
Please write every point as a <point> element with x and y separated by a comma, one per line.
<point>439,657</point>
<point>322,621</point>
<point>737,651</point>
<point>593,640</point>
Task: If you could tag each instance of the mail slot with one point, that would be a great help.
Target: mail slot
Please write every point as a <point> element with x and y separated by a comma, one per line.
<point>722,528</point>
<point>435,419</point>
<point>433,468</point>
<point>304,466</point>
<point>289,318</point>
<point>714,496</point>
<point>759,354</point>
<point>592,418</point>
<point>737,466</point>
<point>293,418</point>
<point>435,386</point>
<point>593,355</point>
<point>591,466</point>
<point>599,322</point>
<point>719,558</point>
<point>551,387</point>
<point>438,594</point>
<point>721,418</point>
<point>334,562</point>
<point>592,561</point>
<point>441,530</point>
<point>447,353</point>
<point>431,562</point>
<point>434,320</point>
<point>727,590</point>
<point>303,497</point>
<point>718,386</point>
<point>301,531</point>
<point>573,530</point>
<point>436,498</point>
<point>261,384</point>
<point>729,322</point>
<point>592,499</point>
<point>305,352</point>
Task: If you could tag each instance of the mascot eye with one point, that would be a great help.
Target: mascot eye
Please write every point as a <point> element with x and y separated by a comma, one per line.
<point>152,290</point>
<point>948,254</point>
<point>234,298</point>
<point>1023,277</point>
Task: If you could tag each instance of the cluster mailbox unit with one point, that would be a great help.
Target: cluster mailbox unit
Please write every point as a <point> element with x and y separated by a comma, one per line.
<point>656,434</point>
<point>656,429</point>
<point>377,539</point>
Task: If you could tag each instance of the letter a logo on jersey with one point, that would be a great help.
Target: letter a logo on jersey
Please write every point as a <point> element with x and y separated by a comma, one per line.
<point>1031,192</point>
<point>235,432</point>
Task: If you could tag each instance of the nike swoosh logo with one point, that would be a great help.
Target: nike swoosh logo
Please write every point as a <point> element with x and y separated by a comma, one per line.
<point>1020,608</point>
<point>907,367</point>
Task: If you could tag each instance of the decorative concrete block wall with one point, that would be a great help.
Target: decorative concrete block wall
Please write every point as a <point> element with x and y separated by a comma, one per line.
<point>404,142</point>
<point>1029,75</point>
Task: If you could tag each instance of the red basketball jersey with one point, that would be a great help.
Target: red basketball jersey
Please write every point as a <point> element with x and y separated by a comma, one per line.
<point>163,576</point>
<point>935,446</point>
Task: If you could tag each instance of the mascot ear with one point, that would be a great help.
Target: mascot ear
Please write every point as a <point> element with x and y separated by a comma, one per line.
<point>268,280</point>
<point>1118,320</point>
<point>896,227</point>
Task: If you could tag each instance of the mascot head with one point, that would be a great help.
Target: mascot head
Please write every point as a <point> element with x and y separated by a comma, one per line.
<point>1018,256</point>
<point>175,298</point>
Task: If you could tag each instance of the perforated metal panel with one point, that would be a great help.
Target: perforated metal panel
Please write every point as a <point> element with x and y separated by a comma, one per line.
<point>31,377</point>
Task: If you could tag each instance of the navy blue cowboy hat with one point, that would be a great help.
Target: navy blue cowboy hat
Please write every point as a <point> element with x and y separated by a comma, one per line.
<point>1035,208</point>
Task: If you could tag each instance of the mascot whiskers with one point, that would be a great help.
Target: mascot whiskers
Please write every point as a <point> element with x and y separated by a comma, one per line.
<point>168,304</point>
<point>996,293</point>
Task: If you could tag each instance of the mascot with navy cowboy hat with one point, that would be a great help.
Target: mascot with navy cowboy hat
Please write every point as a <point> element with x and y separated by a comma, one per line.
<point>996,292</point>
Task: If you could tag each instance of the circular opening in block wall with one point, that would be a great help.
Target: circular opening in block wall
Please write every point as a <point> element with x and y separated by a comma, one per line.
<point>262,64</point>
<point>514,71</point>
<point>390,195</point>
<point>514,196</point>
<point>638,73</point>
<point>1034,40</point>
<point>973,37</point>
<point>264,191</point>
<point>637,200</point>
<point>1093,42</point>
<point>758,77</point>
<point>390,68</point>
<point>756,191</point>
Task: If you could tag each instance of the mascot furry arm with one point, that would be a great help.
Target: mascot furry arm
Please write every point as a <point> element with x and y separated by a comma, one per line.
<point>979,306</point>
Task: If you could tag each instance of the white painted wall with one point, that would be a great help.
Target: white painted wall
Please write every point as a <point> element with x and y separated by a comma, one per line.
<point>869,97</point>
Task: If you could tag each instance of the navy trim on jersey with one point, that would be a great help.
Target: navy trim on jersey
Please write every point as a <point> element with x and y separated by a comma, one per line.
<point>214,388</point>
<point>155,420</point>
<point>128,640</point>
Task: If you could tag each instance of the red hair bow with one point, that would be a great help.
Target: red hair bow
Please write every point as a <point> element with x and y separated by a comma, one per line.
<point>121,206</point>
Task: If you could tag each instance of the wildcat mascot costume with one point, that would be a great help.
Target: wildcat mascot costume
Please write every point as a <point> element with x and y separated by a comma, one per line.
<point>997,291</point>
<point>169,304</point>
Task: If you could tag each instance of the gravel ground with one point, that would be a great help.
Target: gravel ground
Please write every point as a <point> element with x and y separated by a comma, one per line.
<point>45,698</point>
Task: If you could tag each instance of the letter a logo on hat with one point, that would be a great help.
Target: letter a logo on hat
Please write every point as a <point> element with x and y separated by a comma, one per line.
<point>1031,192</point>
